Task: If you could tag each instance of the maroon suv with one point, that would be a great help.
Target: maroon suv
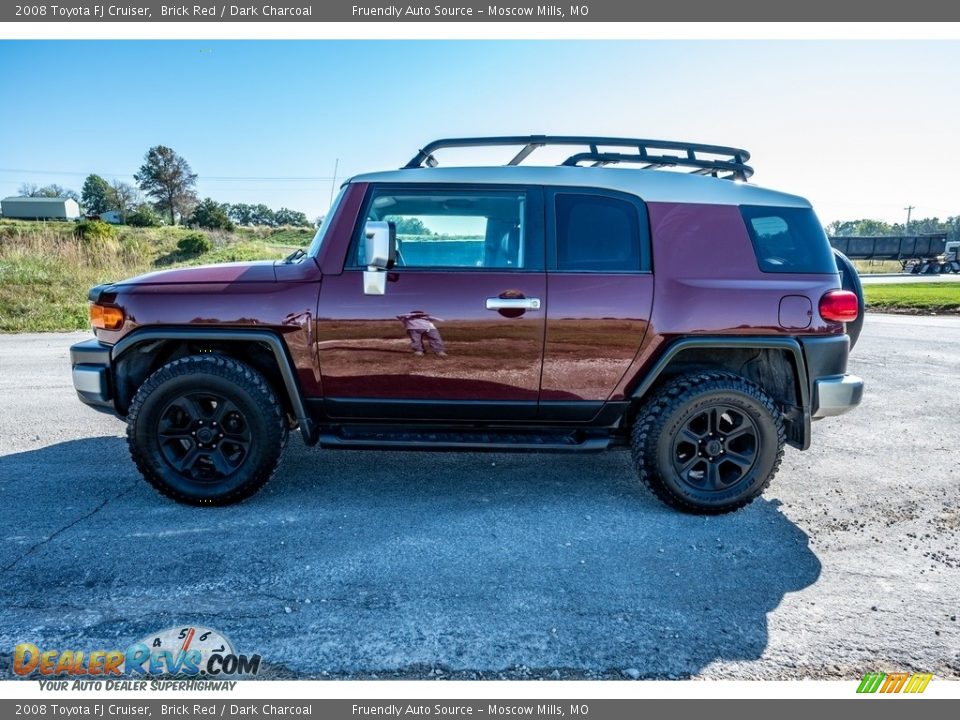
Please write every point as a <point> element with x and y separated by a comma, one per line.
<point>695,318</point>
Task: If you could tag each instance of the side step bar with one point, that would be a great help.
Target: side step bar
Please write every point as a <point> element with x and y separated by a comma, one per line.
<point>371,438</point>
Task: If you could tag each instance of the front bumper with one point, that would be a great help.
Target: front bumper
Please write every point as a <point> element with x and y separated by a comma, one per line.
<point>90,362</point>
<point>836,395</point>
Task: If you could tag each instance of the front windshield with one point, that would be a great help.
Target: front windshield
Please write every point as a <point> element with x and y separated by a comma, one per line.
<point>321,235</point>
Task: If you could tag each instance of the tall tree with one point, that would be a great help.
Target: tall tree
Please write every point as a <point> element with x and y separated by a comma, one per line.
<point>262,215</point>
<point>123,197</point>
<point>241,213</point>
<point>95,195</point>
<point>168,179</point>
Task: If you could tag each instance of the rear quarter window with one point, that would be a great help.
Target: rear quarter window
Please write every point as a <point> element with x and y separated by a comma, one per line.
<point>788,240</point>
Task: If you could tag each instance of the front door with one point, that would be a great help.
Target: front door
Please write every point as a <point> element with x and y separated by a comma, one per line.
<point>459,332</point>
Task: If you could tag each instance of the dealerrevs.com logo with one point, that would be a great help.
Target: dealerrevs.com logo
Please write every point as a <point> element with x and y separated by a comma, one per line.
<point>187,652</point>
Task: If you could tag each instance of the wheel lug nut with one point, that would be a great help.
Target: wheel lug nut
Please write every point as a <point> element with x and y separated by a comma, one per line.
<point>194,432</point>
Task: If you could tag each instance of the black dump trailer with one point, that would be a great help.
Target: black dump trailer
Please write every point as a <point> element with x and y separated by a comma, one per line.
<point>919,254</point>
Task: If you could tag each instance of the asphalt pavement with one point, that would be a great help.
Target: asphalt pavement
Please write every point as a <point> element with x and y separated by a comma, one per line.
<point>363,564</point>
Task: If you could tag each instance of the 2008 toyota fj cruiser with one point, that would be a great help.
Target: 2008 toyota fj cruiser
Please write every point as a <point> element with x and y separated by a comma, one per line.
<point>695,318</point>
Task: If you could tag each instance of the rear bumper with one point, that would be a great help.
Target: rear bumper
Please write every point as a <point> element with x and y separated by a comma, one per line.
<point>90,363</point>
<point>836,395</point>
<point>833,391</point>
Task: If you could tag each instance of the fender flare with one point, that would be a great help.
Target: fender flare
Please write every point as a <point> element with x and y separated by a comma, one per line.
<point>788,344</point>
<point>273,341</point>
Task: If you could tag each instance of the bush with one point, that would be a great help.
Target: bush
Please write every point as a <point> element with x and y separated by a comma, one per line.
<point>94,232</point>
<point>194,243</point>
<point>144,216</point>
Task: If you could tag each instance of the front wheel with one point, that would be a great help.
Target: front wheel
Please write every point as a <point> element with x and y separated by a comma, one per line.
<point>708,443</point>
<point>206,430</point>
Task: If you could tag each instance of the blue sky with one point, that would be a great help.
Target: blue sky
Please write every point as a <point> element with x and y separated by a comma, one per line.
<point>862,128</point>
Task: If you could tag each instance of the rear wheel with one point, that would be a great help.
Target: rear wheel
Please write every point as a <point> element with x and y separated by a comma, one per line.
<point>708,443</point>
<point>206,430</point>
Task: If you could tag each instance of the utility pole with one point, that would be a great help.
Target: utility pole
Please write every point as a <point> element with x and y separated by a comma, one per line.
<point>909,209</point>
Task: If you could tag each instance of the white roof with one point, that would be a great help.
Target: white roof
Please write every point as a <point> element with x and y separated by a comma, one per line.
<point>648,185</point>
<point>38,199</point>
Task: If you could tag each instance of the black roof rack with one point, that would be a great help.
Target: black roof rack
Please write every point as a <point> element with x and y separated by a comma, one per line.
<point>731,163</point>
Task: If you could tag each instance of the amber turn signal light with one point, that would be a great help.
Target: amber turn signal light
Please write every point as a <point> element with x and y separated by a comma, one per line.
<point>103,317</point>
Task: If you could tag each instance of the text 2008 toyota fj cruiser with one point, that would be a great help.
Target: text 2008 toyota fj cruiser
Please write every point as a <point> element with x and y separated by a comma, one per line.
<point>695,318</point>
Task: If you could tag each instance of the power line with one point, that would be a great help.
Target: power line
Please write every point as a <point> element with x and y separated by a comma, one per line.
<point>292,178</point>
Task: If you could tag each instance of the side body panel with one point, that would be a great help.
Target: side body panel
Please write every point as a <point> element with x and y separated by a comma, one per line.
<point>708,282</point>
<point>365,351</point>
<point>595,326</point>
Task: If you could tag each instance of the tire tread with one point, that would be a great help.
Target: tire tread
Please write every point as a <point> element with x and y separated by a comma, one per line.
<point>234,371</point>
<point>649,424</point>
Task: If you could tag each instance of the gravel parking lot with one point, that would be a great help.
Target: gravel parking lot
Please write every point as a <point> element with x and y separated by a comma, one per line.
<point>370,564</point>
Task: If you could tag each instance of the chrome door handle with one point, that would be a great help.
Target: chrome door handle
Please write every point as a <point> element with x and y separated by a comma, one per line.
<point>497,303</point>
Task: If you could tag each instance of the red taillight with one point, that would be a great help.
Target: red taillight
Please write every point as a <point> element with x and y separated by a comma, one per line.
<point>839,306</point>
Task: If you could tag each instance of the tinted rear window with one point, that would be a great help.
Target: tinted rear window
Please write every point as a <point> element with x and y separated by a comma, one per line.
<point>597,234</point>
<point>788,240</point>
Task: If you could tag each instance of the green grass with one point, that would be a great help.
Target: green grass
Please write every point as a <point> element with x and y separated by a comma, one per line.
<point>45,272</point>
<point>295,236</point>
<point>942,297</point>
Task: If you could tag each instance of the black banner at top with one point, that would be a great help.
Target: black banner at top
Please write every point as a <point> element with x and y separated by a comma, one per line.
<point>482,11</point>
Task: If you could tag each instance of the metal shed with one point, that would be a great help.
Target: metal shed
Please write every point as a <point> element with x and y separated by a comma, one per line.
<point>40,208</point>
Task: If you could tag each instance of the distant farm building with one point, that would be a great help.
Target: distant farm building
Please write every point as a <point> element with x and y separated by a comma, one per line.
<point>40,208</point>
<point>112,217</point>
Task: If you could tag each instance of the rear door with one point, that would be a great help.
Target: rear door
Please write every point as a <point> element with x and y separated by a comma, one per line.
<point>600,293</point>
<point>459,332</point>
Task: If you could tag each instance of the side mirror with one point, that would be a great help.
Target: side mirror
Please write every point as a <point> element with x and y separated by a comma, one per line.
<point>380,245</point>
<point>380,249</point>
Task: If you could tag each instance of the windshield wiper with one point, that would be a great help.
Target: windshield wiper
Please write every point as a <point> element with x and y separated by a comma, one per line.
<point>294,256</point>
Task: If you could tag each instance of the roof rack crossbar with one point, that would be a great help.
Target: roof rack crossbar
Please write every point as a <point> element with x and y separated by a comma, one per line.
<point>703,167</point>
<point>731,161</point>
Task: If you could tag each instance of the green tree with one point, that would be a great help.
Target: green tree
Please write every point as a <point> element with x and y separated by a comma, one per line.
<point>95,195</point>
<point>210,214</point>
<point>286,216</point>
<point>168,179</point>
<point>48,191</point>
<point>241,213</point>
<point>865,227</point>
<point>262,215</point>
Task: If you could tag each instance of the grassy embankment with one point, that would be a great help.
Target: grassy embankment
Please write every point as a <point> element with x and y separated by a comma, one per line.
<point>45,271</point>
<point>920,298</point>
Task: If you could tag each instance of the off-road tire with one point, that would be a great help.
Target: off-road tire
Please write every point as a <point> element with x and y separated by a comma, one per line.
<point>686,399</point>
<point>256,403</point>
